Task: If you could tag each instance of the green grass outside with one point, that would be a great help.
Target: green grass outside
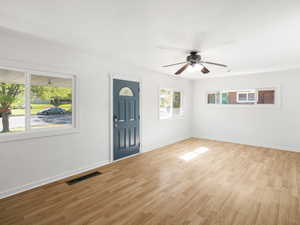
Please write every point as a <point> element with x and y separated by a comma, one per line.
<point>35,108</point>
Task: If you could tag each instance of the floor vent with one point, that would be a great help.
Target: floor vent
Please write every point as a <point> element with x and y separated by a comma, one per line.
<point>82,178</point>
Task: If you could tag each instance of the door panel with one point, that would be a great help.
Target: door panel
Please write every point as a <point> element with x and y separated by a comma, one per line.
<point>126,119</point>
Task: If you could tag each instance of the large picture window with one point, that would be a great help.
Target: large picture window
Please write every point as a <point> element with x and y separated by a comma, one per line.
<point>30,101</point>
<point>259,96</point>
<point>170,103</point>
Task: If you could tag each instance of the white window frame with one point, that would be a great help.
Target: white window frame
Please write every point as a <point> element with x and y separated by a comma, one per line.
<point>210,93</point>
<point>276,88</point>
<point>29,133</point>
<point>172,116</point>
<point>216,98</point>
<point>247,93</point>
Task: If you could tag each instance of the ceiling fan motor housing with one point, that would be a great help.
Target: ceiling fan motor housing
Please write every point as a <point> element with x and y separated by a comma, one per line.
<point>193,58</point>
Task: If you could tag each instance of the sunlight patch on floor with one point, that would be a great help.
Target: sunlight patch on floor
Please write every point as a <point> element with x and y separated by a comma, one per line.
<point>191,155</point>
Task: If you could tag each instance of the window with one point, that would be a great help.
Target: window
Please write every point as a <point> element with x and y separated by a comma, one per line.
<point>211,98</point>
<point>170,103</point>
<point>31,102</point>
<point>126,91</point>
<point>242,97</point>
<point>266,97</point>
<point>246,97</point>
<point>51,101</point>
<point>214,98</point>
<point>12,102</point>
<point>225,98</point>
<point>176,103</point>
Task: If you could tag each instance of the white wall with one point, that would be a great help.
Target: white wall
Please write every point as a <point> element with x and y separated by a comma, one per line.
<point>261,126</point>
<point>27,163</point>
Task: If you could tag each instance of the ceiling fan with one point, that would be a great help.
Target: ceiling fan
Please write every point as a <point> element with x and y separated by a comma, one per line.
<point>194,59</point>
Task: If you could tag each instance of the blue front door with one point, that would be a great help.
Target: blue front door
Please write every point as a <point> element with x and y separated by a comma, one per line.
<point>126,118</point>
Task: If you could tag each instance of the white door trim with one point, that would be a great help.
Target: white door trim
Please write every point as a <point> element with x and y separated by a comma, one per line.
<point>110,115</point>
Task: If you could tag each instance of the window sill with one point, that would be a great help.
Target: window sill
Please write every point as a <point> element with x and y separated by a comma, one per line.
<point>172,117</point>
<point>38,133</point>
<point>245,105</point>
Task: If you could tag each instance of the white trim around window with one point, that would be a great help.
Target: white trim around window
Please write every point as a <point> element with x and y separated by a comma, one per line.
<point>277,103</point>
<point>43,132</point>
<point>247,100</point>
<point>181,110</point>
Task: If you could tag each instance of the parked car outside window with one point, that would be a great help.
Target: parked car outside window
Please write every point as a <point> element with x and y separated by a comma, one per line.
<point>52,111</point>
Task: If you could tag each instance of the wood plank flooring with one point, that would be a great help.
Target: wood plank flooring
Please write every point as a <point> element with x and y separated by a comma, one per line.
<point>193,182</point>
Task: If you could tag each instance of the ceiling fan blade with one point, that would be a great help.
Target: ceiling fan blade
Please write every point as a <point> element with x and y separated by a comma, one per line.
<point>174,64</point>
<point>182,69</point>
<point>212,63</point>
<point>204,70</point>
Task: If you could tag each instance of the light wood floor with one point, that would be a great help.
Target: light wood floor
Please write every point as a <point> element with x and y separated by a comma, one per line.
<point>193,182</point>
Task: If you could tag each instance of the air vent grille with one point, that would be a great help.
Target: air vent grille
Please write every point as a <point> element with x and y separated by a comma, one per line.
<point>82,178</point>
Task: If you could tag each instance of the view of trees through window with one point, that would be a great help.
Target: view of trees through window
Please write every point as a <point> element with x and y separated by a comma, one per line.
<point>176,102</point>
<point>50,103</point>
<point>246,97</point>
<point>170,103</point>
<point>12,102</point>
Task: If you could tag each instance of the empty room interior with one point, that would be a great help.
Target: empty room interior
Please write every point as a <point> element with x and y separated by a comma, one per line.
<point>150,112</point>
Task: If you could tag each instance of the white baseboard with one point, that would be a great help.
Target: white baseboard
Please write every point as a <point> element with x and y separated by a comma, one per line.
<point>148,148</point>
<point>45,181</point>
<point>291,148</point>
<point>42,182</point>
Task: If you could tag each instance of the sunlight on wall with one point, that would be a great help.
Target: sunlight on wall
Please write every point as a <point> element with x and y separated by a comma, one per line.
<point>191,155</point>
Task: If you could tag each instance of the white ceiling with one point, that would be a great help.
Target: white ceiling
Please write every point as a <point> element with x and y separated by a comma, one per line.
<point>249,36</point>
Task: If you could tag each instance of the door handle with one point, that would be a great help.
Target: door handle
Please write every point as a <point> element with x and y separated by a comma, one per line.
<point>115,119</point>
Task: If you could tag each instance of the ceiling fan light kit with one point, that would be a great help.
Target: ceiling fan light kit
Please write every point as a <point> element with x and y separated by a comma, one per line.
<point>204,70</point>
<point>194,59</point>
